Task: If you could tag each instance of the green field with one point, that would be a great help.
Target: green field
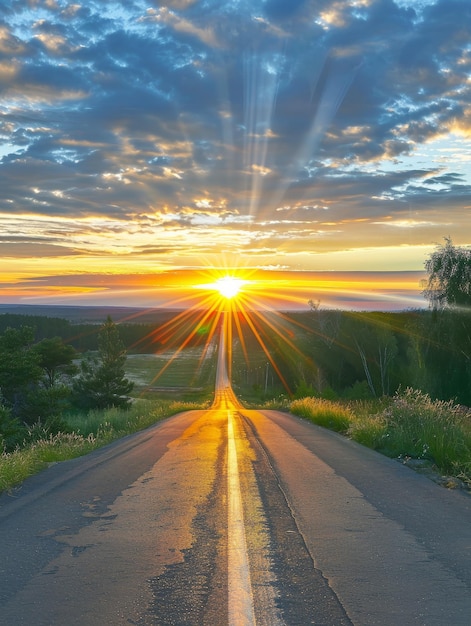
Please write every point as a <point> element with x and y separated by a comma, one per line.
<point>186,375</point>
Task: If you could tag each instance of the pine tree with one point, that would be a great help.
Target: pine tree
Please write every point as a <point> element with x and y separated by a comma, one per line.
<point>102,383</point>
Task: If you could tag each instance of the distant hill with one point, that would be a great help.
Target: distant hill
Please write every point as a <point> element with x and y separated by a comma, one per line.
<point>91,314</point>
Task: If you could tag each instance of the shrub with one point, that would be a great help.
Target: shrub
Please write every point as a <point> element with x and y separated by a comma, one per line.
<point>303,389</point>
<point>360,390</point>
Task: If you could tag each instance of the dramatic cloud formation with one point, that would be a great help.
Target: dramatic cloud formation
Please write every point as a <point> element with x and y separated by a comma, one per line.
<point>306,135</point>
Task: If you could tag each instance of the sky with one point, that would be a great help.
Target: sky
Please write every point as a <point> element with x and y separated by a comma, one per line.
<point>320,147</point>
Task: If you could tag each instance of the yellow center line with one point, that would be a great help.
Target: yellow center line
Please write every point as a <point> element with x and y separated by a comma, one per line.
<point>240,597</point>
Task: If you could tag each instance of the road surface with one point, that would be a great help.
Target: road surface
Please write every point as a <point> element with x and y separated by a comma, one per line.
<point>234,517</point>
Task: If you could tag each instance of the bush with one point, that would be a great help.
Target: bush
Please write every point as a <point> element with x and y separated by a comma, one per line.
<point>360,390</point>
<point>303,390</point>
<point>47,405</point>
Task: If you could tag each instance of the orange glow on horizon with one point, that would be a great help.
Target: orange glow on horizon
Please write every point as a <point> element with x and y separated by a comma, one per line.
<point>184,288</point>
<point>249,300</point>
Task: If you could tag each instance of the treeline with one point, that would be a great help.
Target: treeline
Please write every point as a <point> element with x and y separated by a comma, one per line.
<point>83,337</point>
<point>137,337</point>
<point>372,354</point>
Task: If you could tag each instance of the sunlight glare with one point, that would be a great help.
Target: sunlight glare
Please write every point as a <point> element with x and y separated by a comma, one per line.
<point>228,286</point>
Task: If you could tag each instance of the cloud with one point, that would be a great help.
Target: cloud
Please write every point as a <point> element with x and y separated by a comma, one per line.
<point>256,124</point>
<point>183,26</point>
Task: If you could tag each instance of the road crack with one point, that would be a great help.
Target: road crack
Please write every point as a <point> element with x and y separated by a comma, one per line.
<point>304,595</point>
<point>194,591</point>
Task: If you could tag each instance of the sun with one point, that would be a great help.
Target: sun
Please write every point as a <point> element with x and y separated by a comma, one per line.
<point>228,286</point>
<point>225,287</point>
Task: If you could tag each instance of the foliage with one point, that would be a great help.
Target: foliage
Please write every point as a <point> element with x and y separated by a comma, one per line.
<point>449,280</point>
<point>12,431</point>
<point>19,367</point>
<point>371,354</point>
<point>55,359</point>
<point>360,390</point>
<point>28,384</point>
<point>303,389</point>
<point>102,382</point>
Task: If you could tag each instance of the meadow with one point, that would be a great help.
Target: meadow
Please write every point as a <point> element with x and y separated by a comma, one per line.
<point>188,375</point>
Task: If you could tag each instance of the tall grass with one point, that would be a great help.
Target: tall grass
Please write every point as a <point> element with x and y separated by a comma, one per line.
<point>89,431</point>
<point>111,423</point>
<point>421,428</point>
<point>408,425</point>
<point>23,462</point>
<point>327,413</point>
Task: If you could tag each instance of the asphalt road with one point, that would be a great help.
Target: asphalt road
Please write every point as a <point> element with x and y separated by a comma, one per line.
<point>231,516</point>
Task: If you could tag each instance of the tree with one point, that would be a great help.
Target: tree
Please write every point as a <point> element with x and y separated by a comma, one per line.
<point>55,359</point>
<point>449,280</point>
<point>102,383</point>
<point>19,367</point>
<point>449,291</point>
<point>12,431</point>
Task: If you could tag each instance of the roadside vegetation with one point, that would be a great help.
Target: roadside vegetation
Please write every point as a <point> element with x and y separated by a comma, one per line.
<point>59,405</point>
<point>85,432</point>
<point>408,426</point>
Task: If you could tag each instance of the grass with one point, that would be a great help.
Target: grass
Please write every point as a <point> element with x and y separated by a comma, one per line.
<point>16,466</point>
<point>190,372</point>
<point>424,429</point>
<point>409,425</point>
<point>326,413</point>
<point>112,423</point>
<point>90,431</point>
